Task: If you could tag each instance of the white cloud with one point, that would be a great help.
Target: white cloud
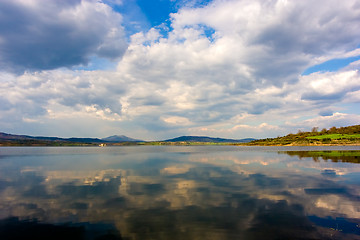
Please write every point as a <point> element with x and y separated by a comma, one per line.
<point>330,86</point>
<point>174,120</point>
<point>337,119</point>
<point>230,69</point>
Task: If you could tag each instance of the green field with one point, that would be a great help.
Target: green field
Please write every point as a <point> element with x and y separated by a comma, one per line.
<point>349,135</point>
<point>334,136</point>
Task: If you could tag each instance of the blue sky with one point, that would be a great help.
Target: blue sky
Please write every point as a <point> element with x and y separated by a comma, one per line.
<point>332,65</point>
<point>159,69</point>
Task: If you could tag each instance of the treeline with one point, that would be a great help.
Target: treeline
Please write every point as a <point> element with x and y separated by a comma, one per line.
<point>342,130</point>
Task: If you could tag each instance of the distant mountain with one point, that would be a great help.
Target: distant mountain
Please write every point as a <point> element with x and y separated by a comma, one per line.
<point>120,138</point>
<point>6,136</point>
<point>13,137</point>
<point>208,139</point>
<point>43,140</point>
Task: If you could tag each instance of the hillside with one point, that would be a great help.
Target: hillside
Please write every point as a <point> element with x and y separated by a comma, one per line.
<point>204,139</point>
<point>334,136</point>
<point>120,138</point>
<point>24,140</point>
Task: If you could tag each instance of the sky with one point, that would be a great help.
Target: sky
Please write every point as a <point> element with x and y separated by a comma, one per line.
<point>159,69</point>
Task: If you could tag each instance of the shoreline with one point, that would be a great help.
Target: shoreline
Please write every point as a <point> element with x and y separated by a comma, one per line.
<point>172,144</point>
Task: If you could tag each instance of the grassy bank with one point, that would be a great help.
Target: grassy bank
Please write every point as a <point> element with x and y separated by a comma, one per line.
<point>333,136</point>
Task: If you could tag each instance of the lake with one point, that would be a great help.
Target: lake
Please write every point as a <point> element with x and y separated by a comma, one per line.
<point>180,192</point>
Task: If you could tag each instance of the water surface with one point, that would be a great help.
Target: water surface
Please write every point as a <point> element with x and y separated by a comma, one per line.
<point>180,192</point>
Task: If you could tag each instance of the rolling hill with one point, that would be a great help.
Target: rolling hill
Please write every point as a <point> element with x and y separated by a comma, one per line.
<point>349,135</point>
<point>120,138</point>
<point>25,140</point>
<point>208,139</point>
<point>334,136</point>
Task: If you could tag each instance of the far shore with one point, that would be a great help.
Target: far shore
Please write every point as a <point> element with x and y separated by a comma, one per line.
<point>65,144</point>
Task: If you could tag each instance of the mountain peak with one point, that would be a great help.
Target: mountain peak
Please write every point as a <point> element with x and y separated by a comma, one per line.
<point>120,138</point>
<point>207,139</point>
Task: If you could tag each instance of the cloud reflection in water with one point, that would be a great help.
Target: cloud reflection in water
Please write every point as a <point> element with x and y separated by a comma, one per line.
<point>177,193</point>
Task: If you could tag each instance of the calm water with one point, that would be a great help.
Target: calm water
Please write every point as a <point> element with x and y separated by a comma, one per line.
<point>195,192</point>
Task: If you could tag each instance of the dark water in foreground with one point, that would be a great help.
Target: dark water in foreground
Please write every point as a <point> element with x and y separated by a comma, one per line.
<point>163,192</point>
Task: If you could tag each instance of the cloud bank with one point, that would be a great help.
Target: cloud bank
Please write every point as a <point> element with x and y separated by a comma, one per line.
<point>42,35</point>
<point>229,69</point>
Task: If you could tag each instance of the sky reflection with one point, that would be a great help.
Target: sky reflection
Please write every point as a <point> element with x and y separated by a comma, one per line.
<point>180,193</point>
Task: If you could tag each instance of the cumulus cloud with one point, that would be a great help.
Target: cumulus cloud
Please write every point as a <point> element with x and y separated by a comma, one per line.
<point>331,86</point>
<point>277,40</point>
<point>231,69</point>
<point>40,35</point>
